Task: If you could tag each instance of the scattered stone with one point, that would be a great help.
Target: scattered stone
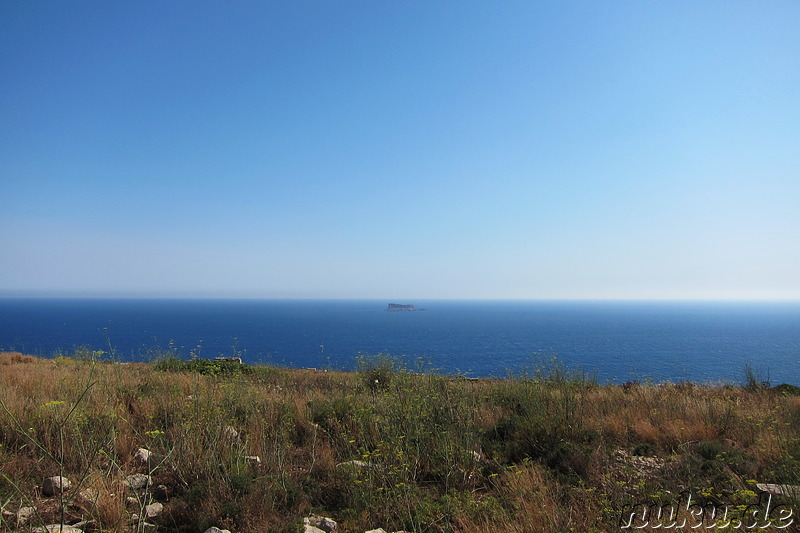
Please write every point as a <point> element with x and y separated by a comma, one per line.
<point>230,433</point>
<point>791,491</point>
<point>138,481</point>
<point>87,496</point>
<point>153,510</point>
<point>130,500</point>
<point>253,460</point>
<point>142,456</point>
<point>20,517</point>
<point>86,500</point>
<point>320,523</point>
<point>55,485</point>
<point>357,463</point>
<point>149,511</point>
<point>146,458</point>
<point>24,514</point>
<point>644,466</point>
<point>216,530</point>
<point>57,528</point>
<point>379,530</point>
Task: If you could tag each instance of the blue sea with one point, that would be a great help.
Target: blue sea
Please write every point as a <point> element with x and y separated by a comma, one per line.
<point>615,341</point>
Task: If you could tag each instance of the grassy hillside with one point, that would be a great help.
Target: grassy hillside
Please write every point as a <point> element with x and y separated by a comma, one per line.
<point>381,447</point>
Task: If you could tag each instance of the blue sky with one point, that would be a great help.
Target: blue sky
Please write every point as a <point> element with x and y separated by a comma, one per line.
<point>625,150</point>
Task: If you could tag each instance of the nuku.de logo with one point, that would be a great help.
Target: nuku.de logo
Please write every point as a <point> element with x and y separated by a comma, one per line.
<point>684,513</point>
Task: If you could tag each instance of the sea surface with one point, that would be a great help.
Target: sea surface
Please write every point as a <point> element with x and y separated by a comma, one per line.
<point>614,341</point>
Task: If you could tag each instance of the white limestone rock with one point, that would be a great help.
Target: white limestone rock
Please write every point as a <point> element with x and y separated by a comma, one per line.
<point>253,460</point>
<point>146,458</point>
<point>153,510</point>
<point>52,486</point>
<point>57,528</point>
<point>24,514</point>
<point>791,491</point>
<point>138,481</point>
<point>326,525</point>
<point>358,464</point>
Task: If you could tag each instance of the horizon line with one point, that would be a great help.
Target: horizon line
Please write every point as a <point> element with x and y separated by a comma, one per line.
<point>61,296</point>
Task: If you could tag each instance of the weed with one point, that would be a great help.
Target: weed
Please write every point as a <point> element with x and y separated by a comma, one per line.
<point>755,379</point>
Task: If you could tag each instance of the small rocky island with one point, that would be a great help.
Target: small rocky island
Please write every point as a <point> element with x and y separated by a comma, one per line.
<point>402,307</point>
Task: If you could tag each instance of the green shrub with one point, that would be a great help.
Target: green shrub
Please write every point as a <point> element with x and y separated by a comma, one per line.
<point>377,371</point>
<point>714,451</point>
<point>205,367</point>
<point>644,449</point>
<point>241,482</point>
<point>711,450</point>
<point>787,390</point>
<point>326,412</point>
<point>170,364</point>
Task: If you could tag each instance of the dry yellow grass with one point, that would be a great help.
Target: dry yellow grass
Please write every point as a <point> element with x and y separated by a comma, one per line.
<point>447,455</point>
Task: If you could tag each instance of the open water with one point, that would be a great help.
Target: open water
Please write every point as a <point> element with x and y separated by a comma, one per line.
<point>616,341</point>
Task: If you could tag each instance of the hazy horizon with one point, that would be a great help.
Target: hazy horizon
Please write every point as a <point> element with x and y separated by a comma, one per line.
<point>23,295</point>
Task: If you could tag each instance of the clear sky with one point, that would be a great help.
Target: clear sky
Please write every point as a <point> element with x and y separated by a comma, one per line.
<point>414,149</point>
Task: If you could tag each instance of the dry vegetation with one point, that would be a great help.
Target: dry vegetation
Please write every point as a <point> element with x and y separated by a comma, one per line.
<point>546,452</point>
